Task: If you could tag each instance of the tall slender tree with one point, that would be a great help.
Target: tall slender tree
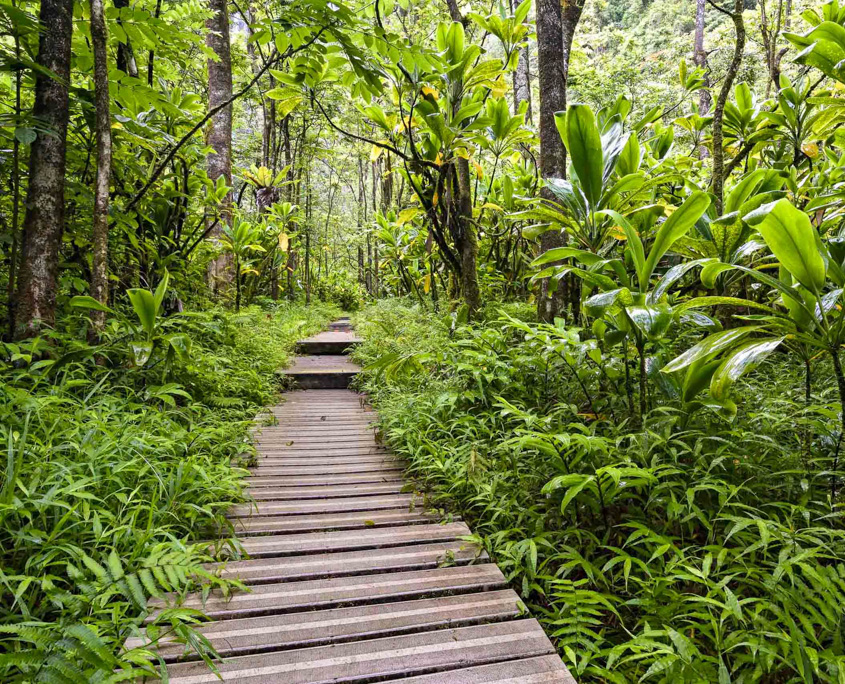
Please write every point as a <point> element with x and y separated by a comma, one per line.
<point>45,200</point>
<point>556,24</point>
<point>100,232</point>
<point>718,175</point>
<point>522,77</point>
<point>700,57</point>
<point>219,161</point>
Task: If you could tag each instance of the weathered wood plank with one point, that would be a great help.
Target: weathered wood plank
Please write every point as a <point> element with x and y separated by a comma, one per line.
<point>390,656</point>
<point>297,630</point>
<point>386,459</point>
<point>358,589</point>
<point>327,492</point>
<point>281,546</point>
<point>344,563</point>
<point>540,670</point>
<point>323,451</point>
<point>266,469</point>
<point>314,441</point>
<point>348,505</point>
<point>330,363</point>
<point>367,519</point>
<point>325,481</point>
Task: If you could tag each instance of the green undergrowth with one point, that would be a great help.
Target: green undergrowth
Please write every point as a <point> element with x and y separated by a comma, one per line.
<point>693,549</point>
<point>109,473</point>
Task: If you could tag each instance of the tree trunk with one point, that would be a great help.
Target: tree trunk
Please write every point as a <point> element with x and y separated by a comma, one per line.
<point>700,57</point>
<point>522,77</point>
<point>45,201</point>
<point>125,55</point>
<point>16,202</point>
<point>718,180</point>
<point>219,160</point>
<point>151,57</point>
<point>467,241</point>
<point>556,26</point>
<point>100,233</point>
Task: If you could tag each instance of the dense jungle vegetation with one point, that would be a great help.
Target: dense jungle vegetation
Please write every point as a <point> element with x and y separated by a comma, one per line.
<point>596,250</point>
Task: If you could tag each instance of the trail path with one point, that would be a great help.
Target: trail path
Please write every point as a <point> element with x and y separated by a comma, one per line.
<point>352,579</point>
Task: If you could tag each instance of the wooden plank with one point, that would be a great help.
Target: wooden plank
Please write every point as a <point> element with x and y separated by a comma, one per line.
<point>323,480</point>
<point>290,417</point>
<point>323,452</point>
<point>315,594</point>
<point>266,469</point>
<point>330,363</point>
<point>390,656</point>
<point>348,505</point>
<point>540,670</point>
<point>330,521</point>
<point>344,563</point>
<point>281,546</point>
<point>359,441</point>
<point>299,630</point>
<point>323,492</point>
<point>285,436</point>
<point>311,432</point>
<point>386,459</point>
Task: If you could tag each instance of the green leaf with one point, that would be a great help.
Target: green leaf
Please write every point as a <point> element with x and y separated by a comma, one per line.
<point>744,359</point>
<point>181,344</point>
<point>25,136</point>
<point>161,291</point>
<point>635,244</point>
<point>141,351</point>
<point>652,320</point>
<point>86,302</point>
<point>676,226</point>
<point>710,346</point>
<point>793,240</point>
<point>582,139</point>
<point>144,303</point>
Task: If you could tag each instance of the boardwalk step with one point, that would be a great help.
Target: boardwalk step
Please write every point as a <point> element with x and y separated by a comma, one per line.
<point>384,458</point>
<point>385,465</point>
<point>345,563</point>
<point>297,630</point>
<point>337,341</point>
<point>324,492</point>
<point>362,661</point>
<point>325,481</point>
<point>541,670</point>
<point>322,372</point>
<point>266,525</point>
<point>323,451</point>
<point>342,505</point>
<point>334,592</point>
<point>281,546</point>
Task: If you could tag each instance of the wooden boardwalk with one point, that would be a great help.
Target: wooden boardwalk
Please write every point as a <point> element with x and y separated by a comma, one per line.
<point>352,579</point>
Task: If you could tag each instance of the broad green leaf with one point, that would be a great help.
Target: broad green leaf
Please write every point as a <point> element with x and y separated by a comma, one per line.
<point>144,304</point>
<point>583,142</point>
<point>86,302</point>
<point>632,237</point>
<point>712,271</point>
<point>709,346</point>
<point>652,320</point>
<point>560,253</point>
<point>161,291</point>
<point>793,240</point>
<point>698,377</point>
<point>181,344</point>
<point>141,351</point>
<point>676,226</point>
<point>740,362</point>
